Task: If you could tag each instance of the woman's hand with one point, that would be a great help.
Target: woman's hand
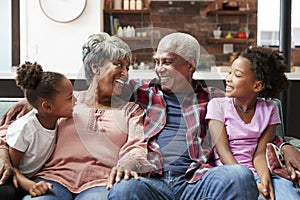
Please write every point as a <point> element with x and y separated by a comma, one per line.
<point>292,161</point>
<point>265,186</point>
<point>16,111</point>
<point>40,188</point>
<point>119,172</point>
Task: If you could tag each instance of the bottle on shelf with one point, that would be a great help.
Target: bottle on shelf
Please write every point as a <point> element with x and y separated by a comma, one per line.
<point>120,32</point>
<point>117,4</point>
<point>125,4</point>
<point>139,4</point>
<point>132,31</point>
<point>132,5</point>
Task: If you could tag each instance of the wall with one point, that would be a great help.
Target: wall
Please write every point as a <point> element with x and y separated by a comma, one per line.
<point>193,19</point>
<point>57,46</point>
<point>5,36</point>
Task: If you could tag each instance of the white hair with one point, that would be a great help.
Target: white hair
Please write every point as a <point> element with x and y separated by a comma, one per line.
<point>182,44</point>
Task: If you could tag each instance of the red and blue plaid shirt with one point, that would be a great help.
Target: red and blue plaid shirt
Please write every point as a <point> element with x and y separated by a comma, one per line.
<point>150,97</point>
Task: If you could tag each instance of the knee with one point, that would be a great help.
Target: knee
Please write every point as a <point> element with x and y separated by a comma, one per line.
<point>240,172</point>
<point>236,174</point>
<point>125,189</point>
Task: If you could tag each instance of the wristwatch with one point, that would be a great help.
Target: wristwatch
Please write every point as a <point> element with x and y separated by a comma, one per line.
<point>62,11</point>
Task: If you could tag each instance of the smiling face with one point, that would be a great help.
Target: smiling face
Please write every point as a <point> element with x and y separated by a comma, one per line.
<point>63,101</point>
<point>174,72</point>
<point>111,78</point>
<point>241,82</point>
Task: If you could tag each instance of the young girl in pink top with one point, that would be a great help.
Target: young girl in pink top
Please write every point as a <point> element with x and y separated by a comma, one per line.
<point>242,123</point>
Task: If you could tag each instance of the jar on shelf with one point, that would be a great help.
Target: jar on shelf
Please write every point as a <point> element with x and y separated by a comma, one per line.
<point>117,4</point>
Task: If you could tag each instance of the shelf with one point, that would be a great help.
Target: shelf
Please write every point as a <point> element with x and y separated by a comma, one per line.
<point>186,0</point>
<point>113,11</point>
<point>231,12</point>
<point>135,38</point>
<point>231,41</point>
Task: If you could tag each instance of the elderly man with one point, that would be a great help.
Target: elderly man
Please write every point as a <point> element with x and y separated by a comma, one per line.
<point>175,130</point>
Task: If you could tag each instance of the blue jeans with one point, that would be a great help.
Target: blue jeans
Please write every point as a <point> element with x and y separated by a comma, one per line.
<point>284,189</point>
<point>59,192</point>
<point>218,183</point>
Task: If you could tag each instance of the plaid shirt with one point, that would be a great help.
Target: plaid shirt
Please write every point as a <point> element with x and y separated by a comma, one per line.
<point>150,97</point>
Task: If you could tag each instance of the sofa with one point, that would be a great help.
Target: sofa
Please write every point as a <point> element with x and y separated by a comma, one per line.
<point>6,103</point>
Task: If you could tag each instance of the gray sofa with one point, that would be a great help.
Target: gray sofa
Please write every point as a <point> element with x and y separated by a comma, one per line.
<point>6,103</point>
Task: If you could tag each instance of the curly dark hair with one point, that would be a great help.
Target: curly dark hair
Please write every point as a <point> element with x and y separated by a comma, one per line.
<point>269,67</point>
<point>36,83</point>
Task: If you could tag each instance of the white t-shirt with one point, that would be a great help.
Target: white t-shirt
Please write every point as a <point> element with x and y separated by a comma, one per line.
<point>27,135</point>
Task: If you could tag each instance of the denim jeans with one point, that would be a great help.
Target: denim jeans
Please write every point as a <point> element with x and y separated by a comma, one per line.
<point>219,183</point>
<point>59,192</point>
<point>284,189</point>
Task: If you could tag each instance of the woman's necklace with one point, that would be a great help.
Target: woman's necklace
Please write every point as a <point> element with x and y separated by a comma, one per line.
<point>240,107</point>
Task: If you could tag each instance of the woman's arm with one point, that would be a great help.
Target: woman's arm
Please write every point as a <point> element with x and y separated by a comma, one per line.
<point>260,162</point>
<point>133,154</point>
<point>220,140</point>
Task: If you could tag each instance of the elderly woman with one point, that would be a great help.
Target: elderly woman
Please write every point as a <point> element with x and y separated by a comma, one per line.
<point>104,133</point>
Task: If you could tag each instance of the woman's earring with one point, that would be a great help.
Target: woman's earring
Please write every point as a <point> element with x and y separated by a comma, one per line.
<point>95,69</point>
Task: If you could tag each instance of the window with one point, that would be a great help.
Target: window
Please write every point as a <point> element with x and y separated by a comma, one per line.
<point>268,23</point>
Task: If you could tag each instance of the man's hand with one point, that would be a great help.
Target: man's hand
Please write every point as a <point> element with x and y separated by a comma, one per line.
<point>292,161</point>
<point>16,111</point>
<point>117,173</point>
<point>40,188</point>
<point>6,169</point>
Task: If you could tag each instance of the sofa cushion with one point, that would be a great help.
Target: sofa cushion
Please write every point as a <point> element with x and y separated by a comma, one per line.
<point>6,103</point>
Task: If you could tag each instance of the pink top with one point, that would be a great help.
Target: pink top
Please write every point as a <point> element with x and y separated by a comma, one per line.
<point>86,151</point>
<point>243,138</point>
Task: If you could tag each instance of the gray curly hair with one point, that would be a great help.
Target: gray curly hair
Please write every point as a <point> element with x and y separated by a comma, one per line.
<point>102,47</point>
<point>183,45</point>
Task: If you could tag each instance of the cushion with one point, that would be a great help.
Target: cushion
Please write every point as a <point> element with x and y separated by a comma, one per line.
<point>275,162</point>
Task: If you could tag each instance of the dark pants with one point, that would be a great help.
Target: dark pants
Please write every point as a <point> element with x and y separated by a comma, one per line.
<point>7,191</point>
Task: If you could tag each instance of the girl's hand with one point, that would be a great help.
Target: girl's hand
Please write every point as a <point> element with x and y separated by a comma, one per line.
<point>40,188</point>
<point>119,172</point>
<point>265,186</point>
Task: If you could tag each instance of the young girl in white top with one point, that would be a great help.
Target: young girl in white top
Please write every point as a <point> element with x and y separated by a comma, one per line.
<point>242,123</point>
<point>32,138</point>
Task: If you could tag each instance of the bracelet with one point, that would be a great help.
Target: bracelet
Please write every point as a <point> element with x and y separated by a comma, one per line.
<point>284,143</point>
